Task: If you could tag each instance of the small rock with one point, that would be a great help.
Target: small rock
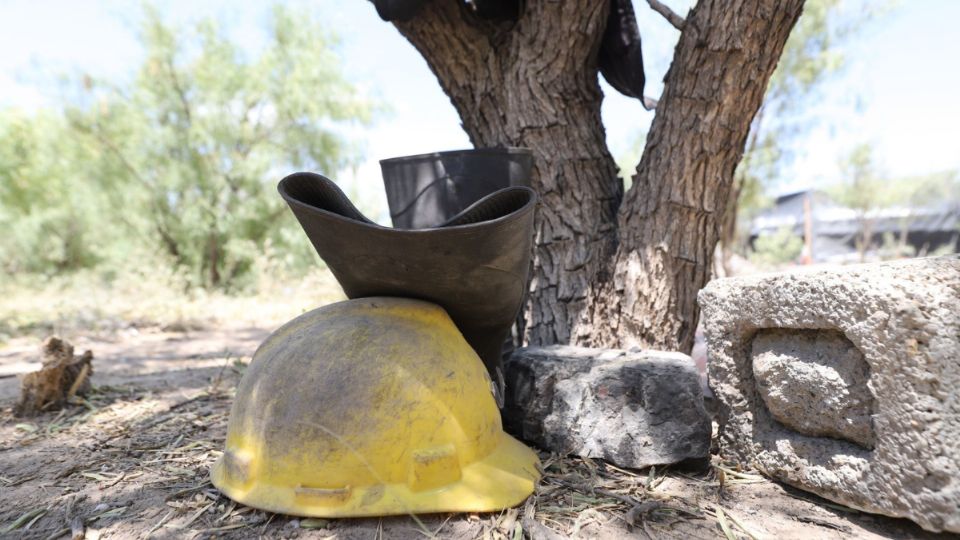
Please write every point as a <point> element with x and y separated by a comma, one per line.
<point>633,409</point>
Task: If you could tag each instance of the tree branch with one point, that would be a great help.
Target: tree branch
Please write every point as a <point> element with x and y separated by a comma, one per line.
<point>677,21</point>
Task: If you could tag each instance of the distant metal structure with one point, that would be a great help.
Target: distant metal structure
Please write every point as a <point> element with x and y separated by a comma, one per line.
<point>830,229</point>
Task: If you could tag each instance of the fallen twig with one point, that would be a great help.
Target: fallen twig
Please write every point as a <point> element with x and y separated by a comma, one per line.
<point>722,516</point>
<point>159,524</point>
<point>197,515</point>
<point>740,475</point>
<point>722,520</point>
<point>589,489</point>
<point>632,502</point>
<point>828,504</point>
<point>821,523</point>
<point>223,528</point>
<point>27,517</point>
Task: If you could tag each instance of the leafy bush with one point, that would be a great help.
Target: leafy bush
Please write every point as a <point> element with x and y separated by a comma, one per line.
<point>50,215</point>
<point>777,249</point>
<point>183,159</point>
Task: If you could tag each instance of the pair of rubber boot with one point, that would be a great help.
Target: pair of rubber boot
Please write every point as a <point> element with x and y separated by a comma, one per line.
<point>384,404</point>
<point>463,224</point>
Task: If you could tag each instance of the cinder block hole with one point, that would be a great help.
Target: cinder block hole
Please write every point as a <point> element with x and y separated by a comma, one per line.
<point>814,381</point>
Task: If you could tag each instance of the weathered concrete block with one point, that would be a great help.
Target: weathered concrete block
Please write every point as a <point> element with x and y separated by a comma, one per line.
<point>634,409</point>
<point>845,382</point>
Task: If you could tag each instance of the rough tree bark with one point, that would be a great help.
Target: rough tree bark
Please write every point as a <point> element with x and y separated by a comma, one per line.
<point>611,270</point>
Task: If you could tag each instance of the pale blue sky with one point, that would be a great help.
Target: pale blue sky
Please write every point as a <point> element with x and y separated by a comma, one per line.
<point>899,91</point>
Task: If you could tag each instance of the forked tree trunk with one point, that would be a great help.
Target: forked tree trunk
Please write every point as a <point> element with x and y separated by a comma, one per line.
<point>611,270</point>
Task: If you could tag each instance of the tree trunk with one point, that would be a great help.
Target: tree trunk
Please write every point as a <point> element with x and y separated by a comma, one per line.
<point>605,273</point>
<point>729,221</point>
<point>728,228</point>
<point>668,223</point>
<point>534,84</point>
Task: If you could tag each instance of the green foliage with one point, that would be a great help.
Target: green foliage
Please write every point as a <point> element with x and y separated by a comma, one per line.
<point>809,58</point>
<point>47,209</point>
<point>779,248</point>
<point>925,190</point>
<point>866,190</point>
<point>863,189</point>
<point>628,160</point>
<point>183,159</point>
<point>866,187</point>
<point>811,54</point>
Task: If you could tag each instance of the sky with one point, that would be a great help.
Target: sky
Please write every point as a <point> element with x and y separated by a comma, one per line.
<point>899,91</point>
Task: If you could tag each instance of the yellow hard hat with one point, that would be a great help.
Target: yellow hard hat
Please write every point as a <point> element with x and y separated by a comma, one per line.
<point>374,406</point>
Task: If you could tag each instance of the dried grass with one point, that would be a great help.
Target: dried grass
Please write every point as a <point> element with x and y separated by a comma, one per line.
<point>146,455</point>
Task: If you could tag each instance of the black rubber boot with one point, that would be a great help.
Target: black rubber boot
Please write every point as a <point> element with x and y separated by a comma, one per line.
<point>621,58</point>
<point>427,189</point>
<point>474,265</point>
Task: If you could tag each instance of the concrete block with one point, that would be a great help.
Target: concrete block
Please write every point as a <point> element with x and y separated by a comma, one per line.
<point>845,382</point>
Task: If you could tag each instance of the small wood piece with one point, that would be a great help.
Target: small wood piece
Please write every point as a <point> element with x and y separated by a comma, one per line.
<point>78,530</point>
<point>61,377</point>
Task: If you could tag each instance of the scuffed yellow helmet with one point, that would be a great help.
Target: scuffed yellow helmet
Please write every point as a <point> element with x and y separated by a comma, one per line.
<point>374,406</point>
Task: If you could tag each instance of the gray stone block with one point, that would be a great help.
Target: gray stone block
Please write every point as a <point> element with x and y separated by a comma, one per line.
<point>633,409</point>
<point>845,382</point>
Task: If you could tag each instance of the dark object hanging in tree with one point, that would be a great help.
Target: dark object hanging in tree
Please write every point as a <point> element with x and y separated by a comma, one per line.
<point>398,10</point>
<point>404,10</point>
<point>474,265</point>
<point>428,189</point>
<point>498,10</point>
<point>620,59</point>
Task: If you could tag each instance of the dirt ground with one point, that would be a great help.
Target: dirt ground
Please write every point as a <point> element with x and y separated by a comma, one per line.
<point>132,462</point>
